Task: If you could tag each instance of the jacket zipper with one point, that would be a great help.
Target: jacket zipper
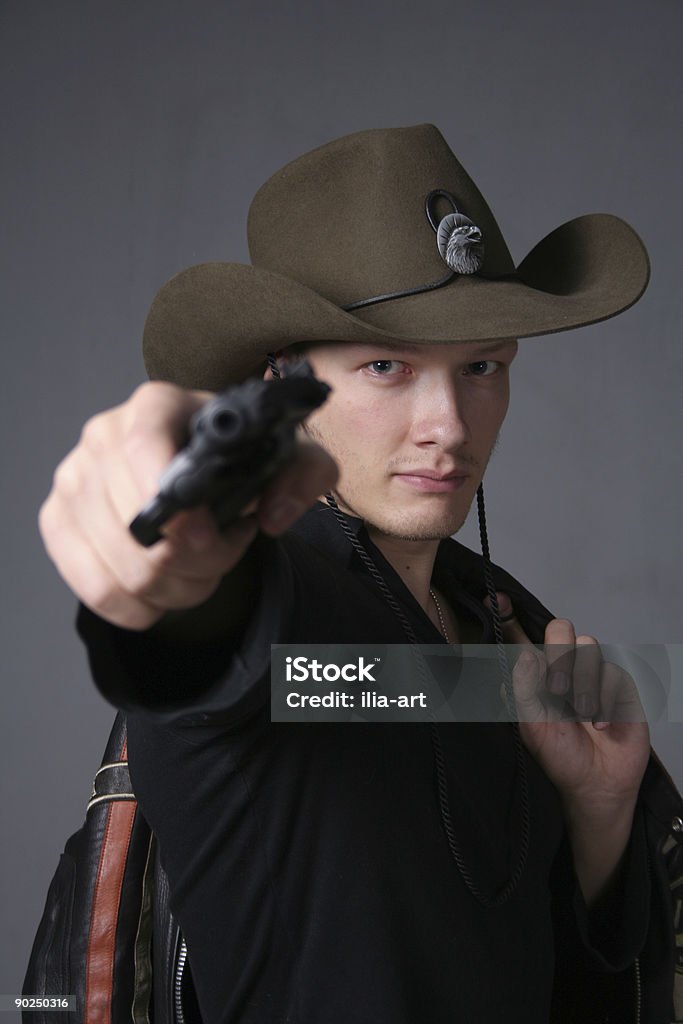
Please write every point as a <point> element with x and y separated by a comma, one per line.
<point>178,983</point>
<point>636,967</point>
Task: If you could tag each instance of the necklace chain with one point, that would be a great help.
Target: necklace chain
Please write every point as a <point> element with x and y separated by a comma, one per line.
<point>440,614</point>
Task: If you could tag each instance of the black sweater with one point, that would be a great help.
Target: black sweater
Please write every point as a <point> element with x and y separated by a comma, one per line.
<point>308,865</point>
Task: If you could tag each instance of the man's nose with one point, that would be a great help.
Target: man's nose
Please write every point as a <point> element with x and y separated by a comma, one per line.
<point>439,417</point>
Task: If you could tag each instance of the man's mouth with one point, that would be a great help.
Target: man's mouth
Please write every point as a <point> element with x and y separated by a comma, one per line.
<point>431,481</point>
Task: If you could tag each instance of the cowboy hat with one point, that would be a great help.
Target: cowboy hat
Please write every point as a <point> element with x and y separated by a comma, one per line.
<point>383,236</point>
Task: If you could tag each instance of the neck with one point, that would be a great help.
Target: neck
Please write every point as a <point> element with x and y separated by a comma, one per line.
<point>413,560</point>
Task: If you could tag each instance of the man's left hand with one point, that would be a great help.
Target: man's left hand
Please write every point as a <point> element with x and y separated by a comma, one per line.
<point>582,720</point>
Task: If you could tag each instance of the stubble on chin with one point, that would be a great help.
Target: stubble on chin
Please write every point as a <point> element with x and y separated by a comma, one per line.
<point>410,532</point>
<point>401,525</point>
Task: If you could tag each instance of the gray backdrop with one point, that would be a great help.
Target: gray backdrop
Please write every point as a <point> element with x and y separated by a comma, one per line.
<point>134,136</point>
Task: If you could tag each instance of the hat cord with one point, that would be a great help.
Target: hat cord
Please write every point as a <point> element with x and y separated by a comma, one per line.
<point>506,891</point>
<point>400,295</point>
<point>455,269</point>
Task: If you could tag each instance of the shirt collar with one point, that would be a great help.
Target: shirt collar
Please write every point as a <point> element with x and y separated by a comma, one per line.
<point>457,570</point>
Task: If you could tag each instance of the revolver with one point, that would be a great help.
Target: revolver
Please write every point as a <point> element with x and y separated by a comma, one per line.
<point>238,441</point>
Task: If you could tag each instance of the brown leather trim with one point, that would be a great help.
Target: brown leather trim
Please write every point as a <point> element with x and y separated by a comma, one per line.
<point>105,907</point>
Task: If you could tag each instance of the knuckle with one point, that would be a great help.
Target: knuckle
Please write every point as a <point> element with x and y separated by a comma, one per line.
<point>117,607</point>
<point>137,438</point>
<point>157,412</point>
<point>162,559</point>
<point>149,391</point>
<point>152,585</point>
<point>154,574</point>
<point>151,396</point>
<point>47,519</point>
<point>141,579</point>
<point>103,596</point>
<point>68,477</point>
<point>142,408</point>
<point>96,432</point>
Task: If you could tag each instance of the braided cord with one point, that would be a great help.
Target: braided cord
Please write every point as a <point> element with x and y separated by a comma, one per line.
<point>369,564</point>
<point>506,891</point>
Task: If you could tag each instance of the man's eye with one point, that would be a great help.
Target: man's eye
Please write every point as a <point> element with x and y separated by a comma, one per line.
<point>383,367</point>
<point>484,368</point>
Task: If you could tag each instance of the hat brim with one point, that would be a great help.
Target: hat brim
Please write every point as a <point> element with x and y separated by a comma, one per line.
<point>213,324</point>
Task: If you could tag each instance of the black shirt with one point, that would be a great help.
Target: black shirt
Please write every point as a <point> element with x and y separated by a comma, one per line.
<point>308,864</point>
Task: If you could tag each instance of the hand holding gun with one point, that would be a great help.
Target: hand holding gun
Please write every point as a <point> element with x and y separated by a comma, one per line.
<point>238,441</point>
<point>245,468</point>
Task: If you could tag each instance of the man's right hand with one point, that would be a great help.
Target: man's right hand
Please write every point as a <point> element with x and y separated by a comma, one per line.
<point>114,470</point>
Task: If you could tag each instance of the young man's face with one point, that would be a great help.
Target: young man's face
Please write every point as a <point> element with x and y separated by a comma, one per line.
<point>411,429</point>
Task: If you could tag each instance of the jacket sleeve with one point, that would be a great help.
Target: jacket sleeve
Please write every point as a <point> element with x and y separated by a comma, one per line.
<point>186,673</point>
<point>622,960</point>
<point>608,966</point>
<point>596,950</point>
<point>662,957</point>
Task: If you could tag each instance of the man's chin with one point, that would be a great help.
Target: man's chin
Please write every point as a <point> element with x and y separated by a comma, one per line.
<point>424,534</point>
<point>407,523</point>
<point>417,528</point>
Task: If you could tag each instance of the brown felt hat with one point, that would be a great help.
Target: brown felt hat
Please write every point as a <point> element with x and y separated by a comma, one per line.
<point>387,212</point>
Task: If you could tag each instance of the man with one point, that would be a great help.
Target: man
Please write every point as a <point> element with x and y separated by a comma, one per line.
<point>380,872</point>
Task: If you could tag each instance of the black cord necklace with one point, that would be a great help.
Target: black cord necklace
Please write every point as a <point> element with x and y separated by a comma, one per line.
<point>507,889</point>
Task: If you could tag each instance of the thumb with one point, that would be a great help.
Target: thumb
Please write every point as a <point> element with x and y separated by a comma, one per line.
<point>512,630</point>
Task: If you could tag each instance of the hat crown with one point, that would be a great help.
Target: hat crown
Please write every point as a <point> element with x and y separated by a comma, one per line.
<point>362,217</point>
<point>348,219</point>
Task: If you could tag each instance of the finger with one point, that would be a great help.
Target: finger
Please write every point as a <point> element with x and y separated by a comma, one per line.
<point>527,679</point>
<point>155,425</point>
<point>611,683</point>
<point>125,450</point>
<point>194,530</point>
<point>311,473</point>
<point>173,573</point>
<point>559,644</point>
<point>620,700</point>
<point>586,679</point>
<point>137,445</point>
<point>513,632</point>
<point>82,526</point>
<point>86,574</point>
